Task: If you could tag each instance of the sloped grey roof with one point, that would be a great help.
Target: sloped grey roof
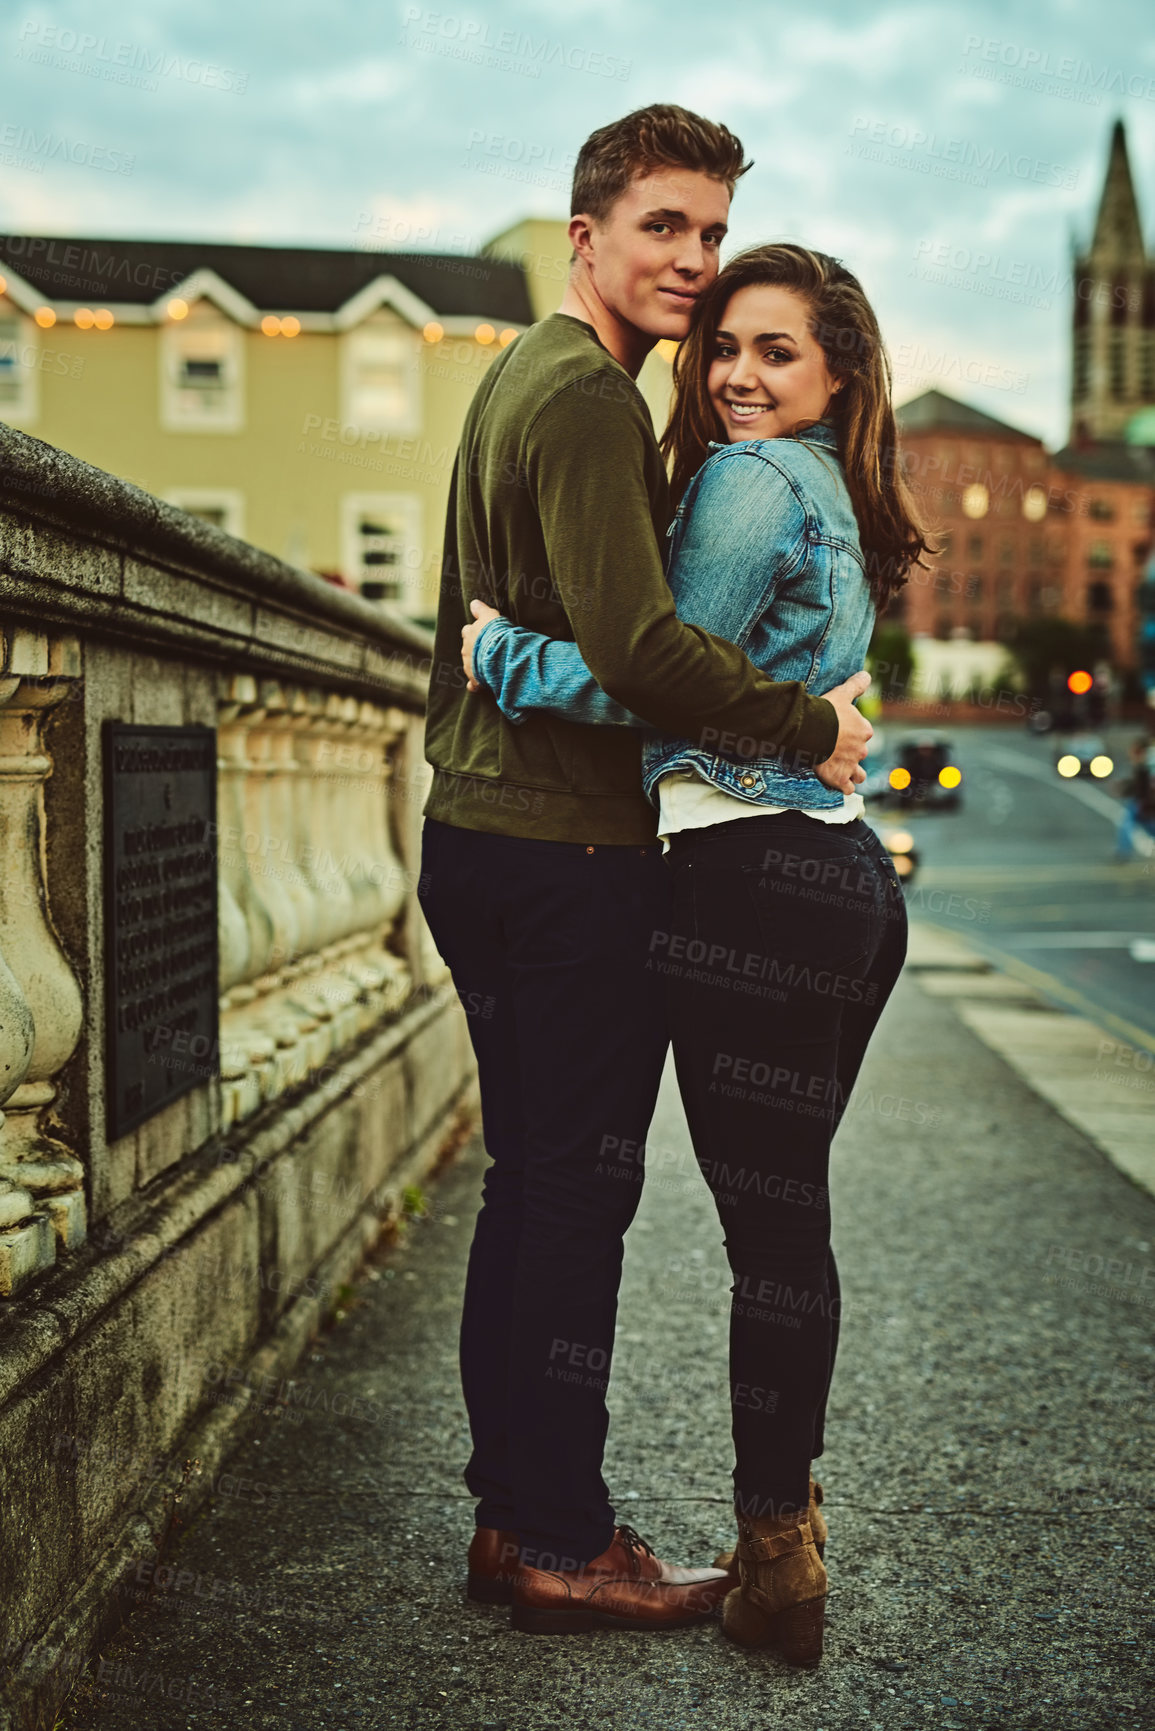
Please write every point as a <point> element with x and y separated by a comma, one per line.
<point>276,279</point>
<point>935,412</point>
<point>1108,460</point>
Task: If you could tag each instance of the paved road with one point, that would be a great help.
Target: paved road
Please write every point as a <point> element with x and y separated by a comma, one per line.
<point>1026,870</point>
<point>987,1470</point>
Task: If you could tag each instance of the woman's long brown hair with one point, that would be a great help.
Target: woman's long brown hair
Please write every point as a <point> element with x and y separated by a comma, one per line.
<point>843,324</point>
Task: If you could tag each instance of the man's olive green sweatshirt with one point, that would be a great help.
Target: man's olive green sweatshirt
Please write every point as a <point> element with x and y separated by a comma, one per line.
<point>558,508</point>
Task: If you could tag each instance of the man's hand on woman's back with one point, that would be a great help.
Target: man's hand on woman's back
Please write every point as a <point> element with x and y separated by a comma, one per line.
<point>841,769</point>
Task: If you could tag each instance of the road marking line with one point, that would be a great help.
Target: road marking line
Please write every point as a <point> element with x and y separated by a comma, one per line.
<point>1028,875</point>
<point>1082,941</point>
<point>1051,987</point>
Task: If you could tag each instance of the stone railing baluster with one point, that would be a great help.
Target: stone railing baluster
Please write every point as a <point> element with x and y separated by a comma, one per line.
<point>39,672</point>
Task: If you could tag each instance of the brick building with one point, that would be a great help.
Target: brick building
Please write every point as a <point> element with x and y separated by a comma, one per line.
<point>983,486</point>
<point>1025,533</point>
<point>1108,495</point>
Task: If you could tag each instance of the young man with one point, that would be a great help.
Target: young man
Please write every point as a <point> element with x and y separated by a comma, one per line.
<point>543,879</point>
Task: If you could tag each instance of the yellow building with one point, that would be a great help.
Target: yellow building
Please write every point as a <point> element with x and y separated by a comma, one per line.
<point>307,400</point>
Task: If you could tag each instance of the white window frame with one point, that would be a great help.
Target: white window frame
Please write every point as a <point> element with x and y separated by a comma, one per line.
<point>218,338</point>
<point>380,333</point>
<point>23,407</point>
<point>407,508</point>
<point>229,500</point>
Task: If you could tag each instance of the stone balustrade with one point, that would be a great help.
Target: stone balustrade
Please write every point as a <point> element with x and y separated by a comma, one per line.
<point>41,1200</point>
<point>311,884</point>
<point>340,1071</point>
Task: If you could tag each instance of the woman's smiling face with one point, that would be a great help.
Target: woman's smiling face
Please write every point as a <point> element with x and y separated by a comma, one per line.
<point>768,376</point>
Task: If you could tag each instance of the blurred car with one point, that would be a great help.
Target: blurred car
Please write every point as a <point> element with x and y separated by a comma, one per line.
<point>1084,754</point>
<point>899,844</point>
<point>919,770</point>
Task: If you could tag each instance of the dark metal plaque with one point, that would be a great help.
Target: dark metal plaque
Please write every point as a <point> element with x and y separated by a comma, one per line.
<point>160,917</point>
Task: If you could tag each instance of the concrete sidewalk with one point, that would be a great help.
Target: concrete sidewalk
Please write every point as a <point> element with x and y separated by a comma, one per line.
<point>988,1470</point>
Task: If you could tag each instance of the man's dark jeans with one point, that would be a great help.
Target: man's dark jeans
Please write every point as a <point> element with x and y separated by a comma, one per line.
<point>548,943</point>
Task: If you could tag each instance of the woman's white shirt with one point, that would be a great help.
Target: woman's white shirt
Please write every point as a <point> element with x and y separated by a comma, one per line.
<point>688,801</point>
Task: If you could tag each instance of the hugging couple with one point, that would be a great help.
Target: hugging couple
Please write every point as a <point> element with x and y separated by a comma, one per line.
<point>643,828</point>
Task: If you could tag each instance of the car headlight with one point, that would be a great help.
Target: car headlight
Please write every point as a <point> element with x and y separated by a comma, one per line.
<point>898,841</point>
<point>949,776</point>
<point>1068,765</point>
<point>899,778</point>
<point>1102,765</point>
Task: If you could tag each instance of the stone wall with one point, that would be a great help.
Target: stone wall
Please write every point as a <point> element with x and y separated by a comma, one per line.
<point>157,1285</point>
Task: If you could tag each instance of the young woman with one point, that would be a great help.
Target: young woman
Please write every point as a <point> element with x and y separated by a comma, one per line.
<point>789,927</point>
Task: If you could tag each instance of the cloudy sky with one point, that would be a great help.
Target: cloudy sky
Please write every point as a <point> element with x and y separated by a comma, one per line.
<point>946,152</point>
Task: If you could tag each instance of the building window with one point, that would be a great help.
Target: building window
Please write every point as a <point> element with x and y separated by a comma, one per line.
<point>1006,552</point>
<point>381,542</point>
<point>1099,598</point>
<point>381,378</point>
<point>974,546</point>
<point>202,375</point>
<point>19,375</point>
<point>1148,353</point>
<point>1101,510</point>
<point>1099,555</point>
<point>1035,504</point>
<point>975,500</point>
<point>1117,357</point>
<point>1034,552</point>
<point>223,507</point>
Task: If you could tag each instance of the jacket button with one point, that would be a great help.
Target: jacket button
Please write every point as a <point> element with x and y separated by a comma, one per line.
<point>746,780</point>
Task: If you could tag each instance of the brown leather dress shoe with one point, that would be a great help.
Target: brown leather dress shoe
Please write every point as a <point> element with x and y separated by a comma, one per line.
<point>493,1555</point>
<point>627,1587</point>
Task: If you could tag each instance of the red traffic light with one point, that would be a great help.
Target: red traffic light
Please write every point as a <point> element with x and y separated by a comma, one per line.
<point>1079,682</point>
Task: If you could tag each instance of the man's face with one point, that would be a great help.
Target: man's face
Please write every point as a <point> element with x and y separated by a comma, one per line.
<point>657,249</point>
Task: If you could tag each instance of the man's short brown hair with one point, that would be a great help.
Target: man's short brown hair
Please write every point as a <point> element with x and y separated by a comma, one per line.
<point>661,136</point>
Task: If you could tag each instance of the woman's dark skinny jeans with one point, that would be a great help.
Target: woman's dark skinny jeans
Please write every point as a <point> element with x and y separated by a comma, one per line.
<point>787,937</point>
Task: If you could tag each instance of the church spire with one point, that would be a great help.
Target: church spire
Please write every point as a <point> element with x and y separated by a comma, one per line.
<point>1118,230</point>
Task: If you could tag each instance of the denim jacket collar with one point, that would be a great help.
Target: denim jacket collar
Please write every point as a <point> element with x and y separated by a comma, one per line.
<point>821,433</point>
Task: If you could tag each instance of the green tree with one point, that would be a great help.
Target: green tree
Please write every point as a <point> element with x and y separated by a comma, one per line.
<point>890,661</point>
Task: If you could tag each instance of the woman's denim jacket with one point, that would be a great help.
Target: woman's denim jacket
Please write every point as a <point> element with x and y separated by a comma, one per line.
<point>764,552</point>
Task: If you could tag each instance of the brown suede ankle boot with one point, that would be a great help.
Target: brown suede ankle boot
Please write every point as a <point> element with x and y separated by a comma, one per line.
<point>728,1560</point>
<point>781,1601</point>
